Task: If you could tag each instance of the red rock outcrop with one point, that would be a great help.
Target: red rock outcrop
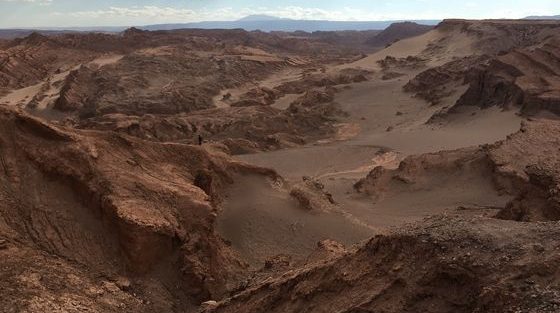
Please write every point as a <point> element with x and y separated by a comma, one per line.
<point>116,206</point>
<point>527,78</point>
<point>443,264</point>
<point>516,66</point>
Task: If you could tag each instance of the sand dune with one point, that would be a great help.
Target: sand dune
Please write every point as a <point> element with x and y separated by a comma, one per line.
<point>449,44</point>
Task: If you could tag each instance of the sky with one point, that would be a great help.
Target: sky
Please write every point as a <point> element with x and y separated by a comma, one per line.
<point>67,13</point>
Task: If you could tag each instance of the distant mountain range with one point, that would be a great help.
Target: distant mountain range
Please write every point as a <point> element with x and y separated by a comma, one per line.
<point>261,18</point>
<point>11,33</point>
<point>544,17</point>
<point>250,23</point>
<point>270,23</point>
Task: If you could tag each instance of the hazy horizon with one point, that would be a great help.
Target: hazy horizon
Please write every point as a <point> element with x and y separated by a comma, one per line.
<point>68,13</point>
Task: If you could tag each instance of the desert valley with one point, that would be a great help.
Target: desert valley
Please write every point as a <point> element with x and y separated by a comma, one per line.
<point>410,169</point>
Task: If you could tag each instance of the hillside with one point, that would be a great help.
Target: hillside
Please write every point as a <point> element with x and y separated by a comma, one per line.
<point>398,31</point>
<point>116,211</point>
<point>543,17</point>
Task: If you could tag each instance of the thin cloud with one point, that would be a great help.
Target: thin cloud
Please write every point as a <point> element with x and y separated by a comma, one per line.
<point>39,2</point>
<point>145,11</point>
<point>125,15</point>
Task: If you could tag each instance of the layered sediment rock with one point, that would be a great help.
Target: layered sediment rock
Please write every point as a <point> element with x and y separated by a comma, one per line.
<point>116,206</point>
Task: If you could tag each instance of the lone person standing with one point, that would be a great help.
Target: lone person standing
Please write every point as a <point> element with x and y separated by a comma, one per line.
<point>200,140</point>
